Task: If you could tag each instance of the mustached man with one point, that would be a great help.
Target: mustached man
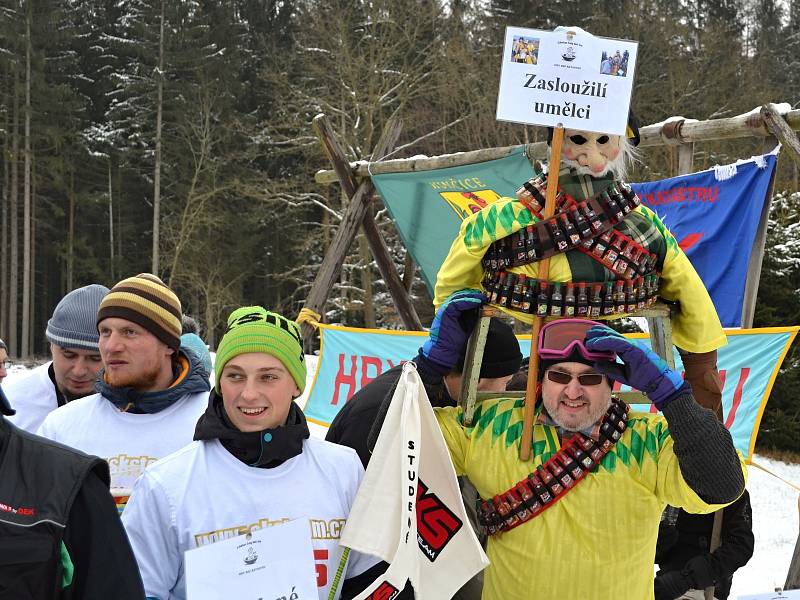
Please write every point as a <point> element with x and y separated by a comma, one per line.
<point>150,392</point>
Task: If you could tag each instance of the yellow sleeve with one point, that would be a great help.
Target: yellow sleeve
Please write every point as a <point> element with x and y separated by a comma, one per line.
<point>455,436</point>
<point>696,326</point>
<point>462,267</point>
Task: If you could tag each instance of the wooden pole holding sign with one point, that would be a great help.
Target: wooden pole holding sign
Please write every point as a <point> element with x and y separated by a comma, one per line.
<point>544,271</point>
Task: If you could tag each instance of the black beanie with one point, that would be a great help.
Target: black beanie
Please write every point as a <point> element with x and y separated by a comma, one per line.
<point>501,355</point>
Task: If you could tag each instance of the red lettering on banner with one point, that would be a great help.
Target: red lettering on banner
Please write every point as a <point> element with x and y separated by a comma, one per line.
<point>342,378</point>
<point>737,396</point>
<point>681,194</point>
<point>366,362</point>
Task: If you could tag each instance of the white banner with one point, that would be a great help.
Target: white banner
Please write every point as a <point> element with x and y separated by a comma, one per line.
<point>566,77</point>
<point>428,542</point>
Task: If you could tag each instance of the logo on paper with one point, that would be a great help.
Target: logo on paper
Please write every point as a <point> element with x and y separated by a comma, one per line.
<point>385,591</point>
<point>251,557</point>
<point>569,55</point>
<point>436,523</point>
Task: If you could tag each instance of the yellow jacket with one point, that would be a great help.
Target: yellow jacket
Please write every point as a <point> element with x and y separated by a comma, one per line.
<point>695,328</point>
<point>598,541</point>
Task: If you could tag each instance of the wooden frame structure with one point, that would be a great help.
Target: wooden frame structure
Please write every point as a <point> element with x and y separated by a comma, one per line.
<point>355,180</point>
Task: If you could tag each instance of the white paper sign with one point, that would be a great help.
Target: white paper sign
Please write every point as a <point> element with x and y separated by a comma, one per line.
<point>787,595</point>
<point>579,81</point>
<point>272,563</point>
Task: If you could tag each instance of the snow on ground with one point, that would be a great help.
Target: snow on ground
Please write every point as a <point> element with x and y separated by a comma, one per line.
<point>776,506</point>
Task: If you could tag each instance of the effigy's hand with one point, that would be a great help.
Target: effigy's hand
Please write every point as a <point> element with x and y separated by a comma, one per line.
<point>450,330</point>
<point>641,368</point>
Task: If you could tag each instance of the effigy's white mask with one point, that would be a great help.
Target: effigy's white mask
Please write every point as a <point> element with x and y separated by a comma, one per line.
<point>595,154</point>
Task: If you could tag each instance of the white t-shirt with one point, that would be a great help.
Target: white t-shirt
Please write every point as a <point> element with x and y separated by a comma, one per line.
<point>129,442</point>
<point>203,494</point>
<point>33,397</point>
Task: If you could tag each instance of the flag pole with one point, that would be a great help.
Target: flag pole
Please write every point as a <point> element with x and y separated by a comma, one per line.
<point>543,273</point>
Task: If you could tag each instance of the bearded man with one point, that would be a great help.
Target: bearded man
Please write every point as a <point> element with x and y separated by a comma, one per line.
<point>609,255</point>
<point>150,391</point>
<point>580,518</point>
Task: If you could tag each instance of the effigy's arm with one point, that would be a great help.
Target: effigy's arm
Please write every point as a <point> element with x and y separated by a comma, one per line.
<point>695,327</point>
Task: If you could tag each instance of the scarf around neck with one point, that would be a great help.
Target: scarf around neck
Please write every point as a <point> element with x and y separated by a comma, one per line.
<point>190,378</point>
<point>266,449</point>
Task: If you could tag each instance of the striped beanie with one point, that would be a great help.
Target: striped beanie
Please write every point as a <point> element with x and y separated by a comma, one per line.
<point>148,302</point>
<point>255,329</point>
<point>73,324</point>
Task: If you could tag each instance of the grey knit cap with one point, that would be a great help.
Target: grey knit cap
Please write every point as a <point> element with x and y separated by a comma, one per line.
<point>74,321</point>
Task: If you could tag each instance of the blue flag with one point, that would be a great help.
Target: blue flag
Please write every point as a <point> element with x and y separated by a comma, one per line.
<point>714,215</point>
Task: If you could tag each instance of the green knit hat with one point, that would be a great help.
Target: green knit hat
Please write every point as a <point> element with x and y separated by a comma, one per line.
<point>255,329</point>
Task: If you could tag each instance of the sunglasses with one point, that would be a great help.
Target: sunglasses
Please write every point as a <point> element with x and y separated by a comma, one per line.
<point>558,339</point>
<point>585,379</point>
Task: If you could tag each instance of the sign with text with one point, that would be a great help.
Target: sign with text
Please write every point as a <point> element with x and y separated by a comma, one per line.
<point>350,358</point>
<point>269,563</point>
<point>566,77</point>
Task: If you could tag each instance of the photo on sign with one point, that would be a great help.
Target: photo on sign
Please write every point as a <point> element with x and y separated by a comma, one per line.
<point>525,50</point>
<point>615,64</point>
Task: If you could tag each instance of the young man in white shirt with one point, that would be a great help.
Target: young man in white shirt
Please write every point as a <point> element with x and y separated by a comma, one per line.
<point>151,393</point>
<point>72,333</point>
<point>253,465</point>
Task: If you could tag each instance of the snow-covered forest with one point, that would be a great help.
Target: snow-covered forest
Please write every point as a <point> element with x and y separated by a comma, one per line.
<point>175,137</point>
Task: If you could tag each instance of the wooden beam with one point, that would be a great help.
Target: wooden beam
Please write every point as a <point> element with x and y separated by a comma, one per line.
<point>793,576</point>
<point>778,127</point>
<point>741,126</point>
<point>404,165</point>
<point>472,366</point>
<point>356,214</point>
<point>331,265</point>
<point>383,258</point>
<point>753,277</point>
<point>402,299</point>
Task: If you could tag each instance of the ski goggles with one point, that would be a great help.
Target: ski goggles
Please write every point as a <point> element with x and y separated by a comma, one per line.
<point>558,339</point>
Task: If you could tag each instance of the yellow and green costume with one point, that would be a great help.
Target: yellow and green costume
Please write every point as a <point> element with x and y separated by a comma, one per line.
<point>598,541</point>
<point>696,326</point>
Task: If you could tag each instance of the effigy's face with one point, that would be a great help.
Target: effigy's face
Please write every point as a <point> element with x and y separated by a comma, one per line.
<point>591,153</point>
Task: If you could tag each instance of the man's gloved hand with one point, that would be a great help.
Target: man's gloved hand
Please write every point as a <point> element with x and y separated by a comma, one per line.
<point>450,330</point>
<point>670,585</point>
<point>700,571</point>
<point>642,368</point>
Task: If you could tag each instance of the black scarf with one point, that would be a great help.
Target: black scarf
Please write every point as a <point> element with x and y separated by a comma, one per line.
<point>267,449</point>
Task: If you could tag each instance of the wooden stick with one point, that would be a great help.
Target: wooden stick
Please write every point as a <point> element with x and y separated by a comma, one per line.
<point>741,126</point>
<point>543,272</point>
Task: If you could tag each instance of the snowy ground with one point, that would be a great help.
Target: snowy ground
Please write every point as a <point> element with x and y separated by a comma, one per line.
<point>776,507</point>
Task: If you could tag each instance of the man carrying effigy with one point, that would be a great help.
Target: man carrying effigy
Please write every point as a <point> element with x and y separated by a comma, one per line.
<point>609,255</point>
<point>580,519</point>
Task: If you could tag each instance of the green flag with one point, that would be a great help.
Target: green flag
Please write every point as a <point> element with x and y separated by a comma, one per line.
<point>428,206</point>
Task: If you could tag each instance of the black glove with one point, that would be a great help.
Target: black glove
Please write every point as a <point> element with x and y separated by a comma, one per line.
<point>669,585</point>
<point>700,572</point>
